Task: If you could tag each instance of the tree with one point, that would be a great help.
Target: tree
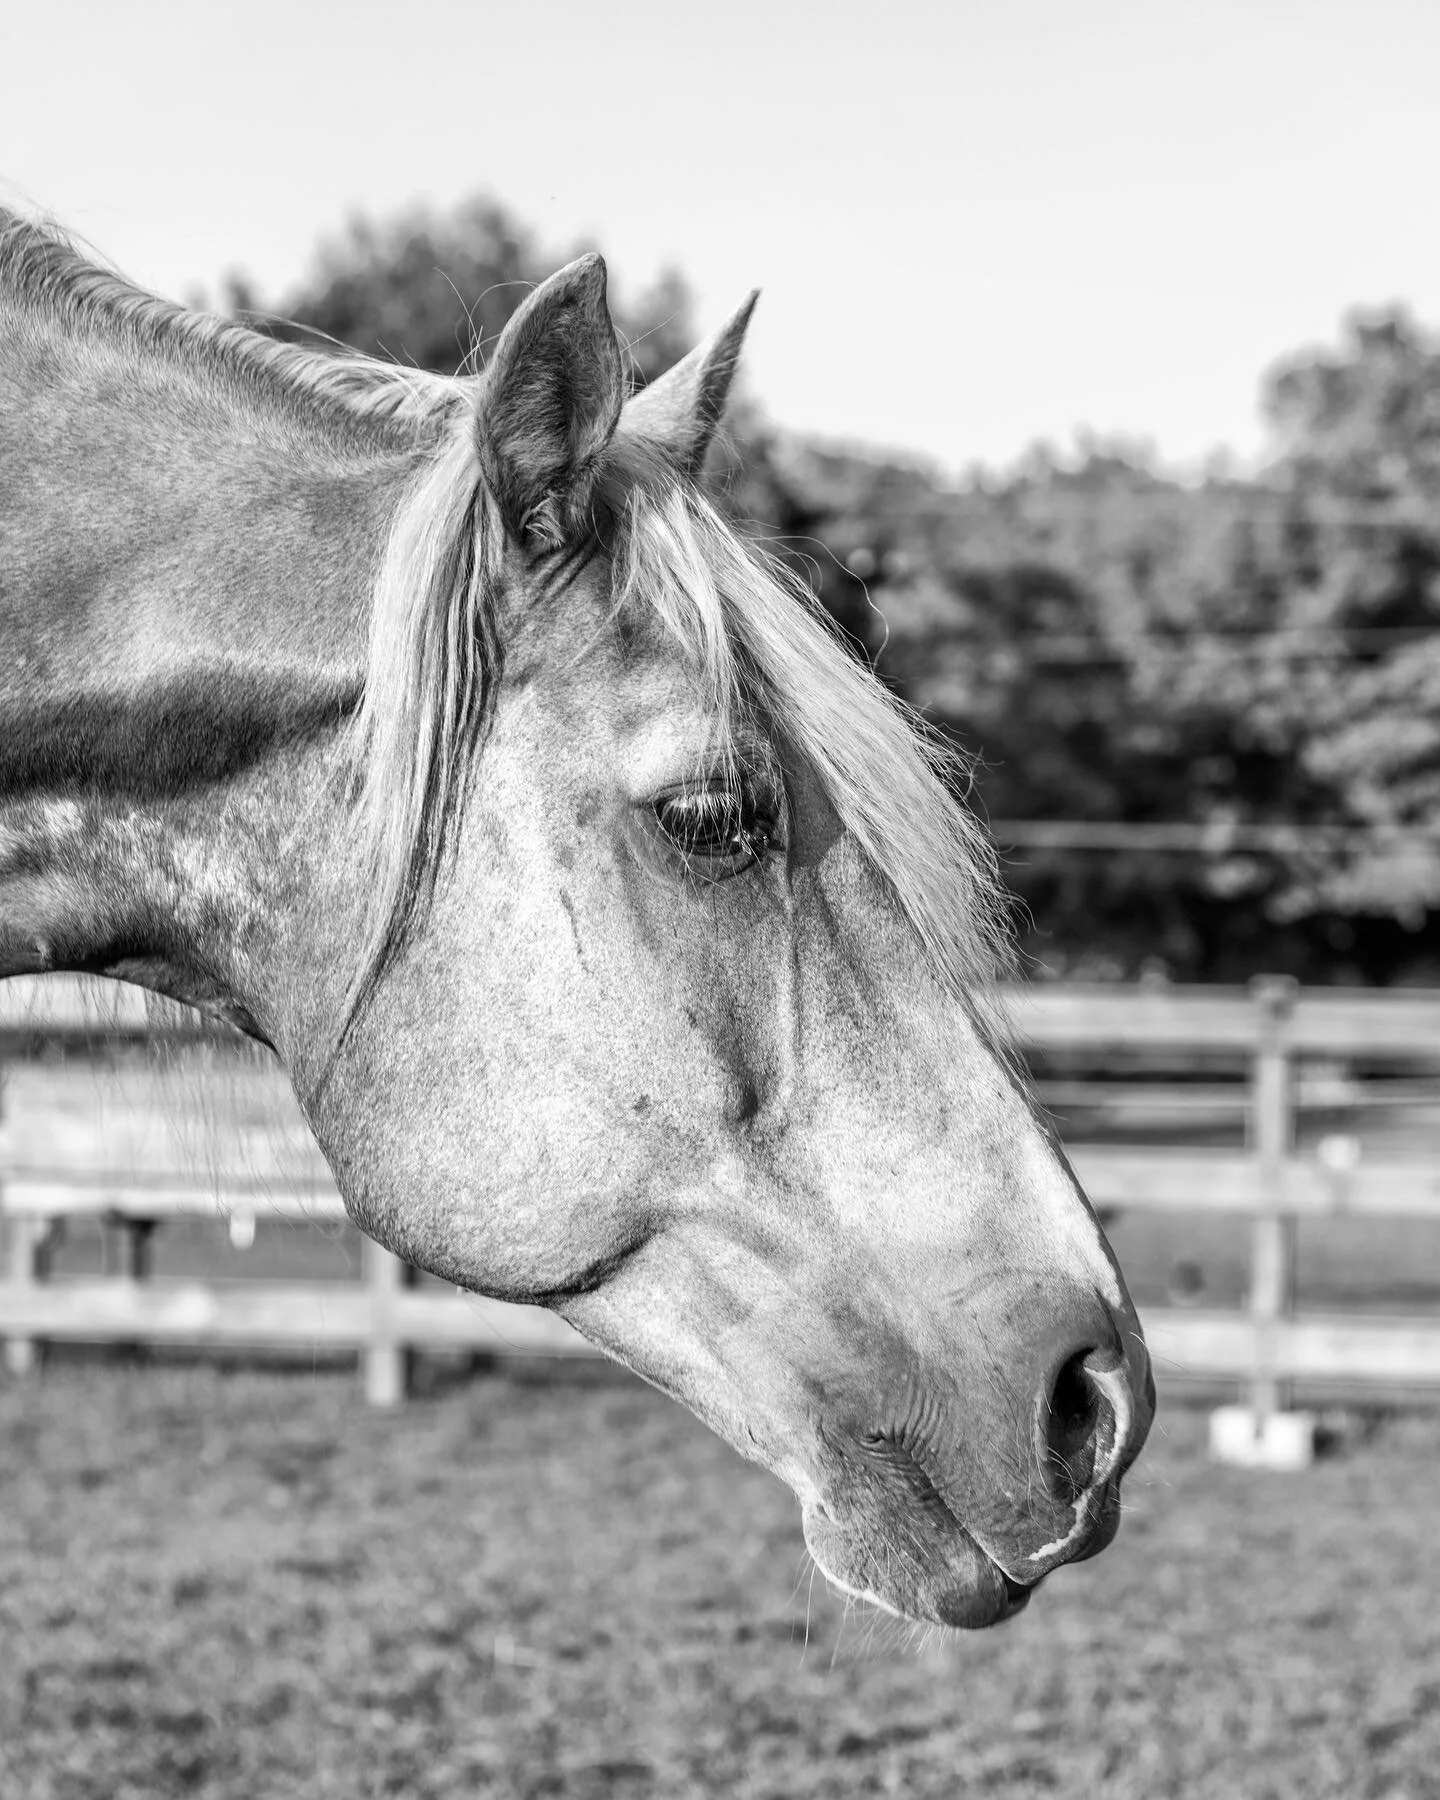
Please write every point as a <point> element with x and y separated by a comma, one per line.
<point>1114,645</point>
<point>434,289</point>
<point>1359,468</point>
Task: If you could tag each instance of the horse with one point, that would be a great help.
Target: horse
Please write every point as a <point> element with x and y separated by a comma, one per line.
<point>630,949</point>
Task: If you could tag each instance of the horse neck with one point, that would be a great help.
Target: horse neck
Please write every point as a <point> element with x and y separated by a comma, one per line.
<point>183,603</point>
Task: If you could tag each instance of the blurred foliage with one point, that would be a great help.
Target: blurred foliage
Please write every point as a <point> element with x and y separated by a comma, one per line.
<point>1245,657</point>
<point>1112,643</point>
<point>434,290</point>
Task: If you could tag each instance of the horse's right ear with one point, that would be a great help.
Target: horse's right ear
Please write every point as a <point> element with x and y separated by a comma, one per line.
<point>680,411</point>
<point>549,405</point>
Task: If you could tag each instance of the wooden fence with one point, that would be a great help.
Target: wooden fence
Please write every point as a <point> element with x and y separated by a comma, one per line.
<point>74,1143</point>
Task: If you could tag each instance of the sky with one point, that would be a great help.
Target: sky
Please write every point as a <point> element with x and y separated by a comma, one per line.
<point>975,226</point>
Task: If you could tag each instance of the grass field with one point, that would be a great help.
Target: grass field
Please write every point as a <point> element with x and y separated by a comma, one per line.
<point>553,1582</point>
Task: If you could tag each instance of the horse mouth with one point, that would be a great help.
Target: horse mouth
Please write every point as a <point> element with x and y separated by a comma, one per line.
<point>963,1588</point>
<point>953,1580</point>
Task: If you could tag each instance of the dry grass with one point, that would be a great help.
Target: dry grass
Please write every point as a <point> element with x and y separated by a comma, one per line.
<point>246,1585</point>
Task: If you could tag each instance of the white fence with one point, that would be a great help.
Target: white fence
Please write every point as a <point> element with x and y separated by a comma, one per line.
<point>75,1142</point>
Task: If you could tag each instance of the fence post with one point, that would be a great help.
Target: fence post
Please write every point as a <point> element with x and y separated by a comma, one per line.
<point>127,1247</point>
<point>28,1244</point>
<point>386,1359</point>
<point>21,1254</point>
<point>1272,1256</point>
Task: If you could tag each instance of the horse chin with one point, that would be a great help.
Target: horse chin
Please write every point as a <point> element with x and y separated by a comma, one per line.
<point>967,1592</point>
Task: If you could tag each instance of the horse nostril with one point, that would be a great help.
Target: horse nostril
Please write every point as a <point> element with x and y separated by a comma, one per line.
<point>1075,1427</point>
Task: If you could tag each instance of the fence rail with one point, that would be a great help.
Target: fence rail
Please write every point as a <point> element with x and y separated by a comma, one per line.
<point>72,1148</point>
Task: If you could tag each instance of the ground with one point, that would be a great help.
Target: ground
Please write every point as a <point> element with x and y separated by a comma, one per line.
<point>243,1584</point>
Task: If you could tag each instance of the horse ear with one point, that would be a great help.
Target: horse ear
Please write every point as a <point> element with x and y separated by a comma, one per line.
<point>549,405</point>
<point>680,410</point>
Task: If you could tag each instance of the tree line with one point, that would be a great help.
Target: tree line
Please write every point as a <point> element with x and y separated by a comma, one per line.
<point>1206,714</point>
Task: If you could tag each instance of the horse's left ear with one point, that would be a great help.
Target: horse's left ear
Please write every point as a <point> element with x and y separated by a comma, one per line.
<point>550,401</point>
<point>680,410</point>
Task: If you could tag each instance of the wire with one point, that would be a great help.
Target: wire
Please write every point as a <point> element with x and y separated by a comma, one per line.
<point>1219,837</point>
<point>1251,642</point>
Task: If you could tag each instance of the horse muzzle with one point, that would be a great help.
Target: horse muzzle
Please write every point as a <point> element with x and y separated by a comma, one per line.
<point>952,1502</point>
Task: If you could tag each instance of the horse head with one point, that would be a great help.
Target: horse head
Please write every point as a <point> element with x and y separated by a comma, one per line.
<point>626,942</point>
<point>683,1030</point>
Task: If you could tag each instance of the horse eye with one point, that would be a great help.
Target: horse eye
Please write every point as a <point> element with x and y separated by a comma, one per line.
<point>719,830</point>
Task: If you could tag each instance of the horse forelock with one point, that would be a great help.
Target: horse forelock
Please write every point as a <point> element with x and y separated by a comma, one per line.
<point>765,648</point>
<point>760,648</point>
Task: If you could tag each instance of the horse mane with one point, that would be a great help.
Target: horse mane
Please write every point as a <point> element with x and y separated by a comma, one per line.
<point>357,400</point>
<point>752,631</point>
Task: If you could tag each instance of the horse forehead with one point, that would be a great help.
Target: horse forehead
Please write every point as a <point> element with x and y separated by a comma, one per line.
<point>636,688</point>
